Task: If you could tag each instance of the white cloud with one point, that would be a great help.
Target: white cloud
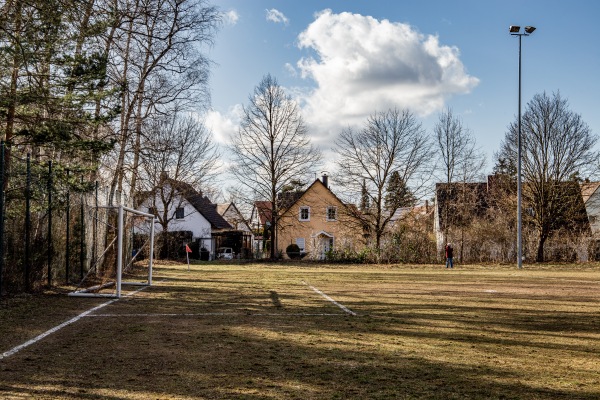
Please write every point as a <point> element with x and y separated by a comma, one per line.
<point>223,126</point>
<point>277,16</point>
<point>291,70</point>
<point>231,17</point>
<point>362,65</point>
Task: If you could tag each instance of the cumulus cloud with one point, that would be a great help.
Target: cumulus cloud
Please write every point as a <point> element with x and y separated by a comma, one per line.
<point>361,65</point>
<point>223,126</point>
<point>231,17</point>
<point>277,16</point>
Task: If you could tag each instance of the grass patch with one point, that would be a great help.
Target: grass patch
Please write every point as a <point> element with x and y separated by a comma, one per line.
<point>258,331</point>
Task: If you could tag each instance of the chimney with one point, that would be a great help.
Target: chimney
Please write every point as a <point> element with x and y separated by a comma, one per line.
<point>326,180</point>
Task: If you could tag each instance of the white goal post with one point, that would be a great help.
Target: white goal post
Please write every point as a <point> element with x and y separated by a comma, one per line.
<point>88,292</point>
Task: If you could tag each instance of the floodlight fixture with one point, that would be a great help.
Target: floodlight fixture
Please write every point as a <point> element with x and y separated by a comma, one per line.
<point>514,28</point>
<point>529,29</point>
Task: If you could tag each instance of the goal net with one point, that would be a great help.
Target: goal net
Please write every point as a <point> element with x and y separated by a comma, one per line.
<point>126,219</point>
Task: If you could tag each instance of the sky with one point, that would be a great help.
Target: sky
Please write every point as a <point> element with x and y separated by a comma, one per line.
<point>343,60</point>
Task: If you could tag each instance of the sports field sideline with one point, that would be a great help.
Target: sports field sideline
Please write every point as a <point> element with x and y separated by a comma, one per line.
<point>267,331</point>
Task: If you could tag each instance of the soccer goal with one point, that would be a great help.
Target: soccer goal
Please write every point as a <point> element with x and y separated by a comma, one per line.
<point>126,218</point>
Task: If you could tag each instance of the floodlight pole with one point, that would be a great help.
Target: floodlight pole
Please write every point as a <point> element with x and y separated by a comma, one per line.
<point>516,31</point>
<point>120,251</point>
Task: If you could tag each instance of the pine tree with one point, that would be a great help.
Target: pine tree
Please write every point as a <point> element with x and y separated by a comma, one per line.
<point>365,200</point>
<point>53,80</point>
<point>397,194</point>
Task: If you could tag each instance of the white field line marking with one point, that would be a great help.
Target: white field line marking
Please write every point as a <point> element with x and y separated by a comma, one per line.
<point>344,308</point>
<point>59,327</point>
<point>214,314</point>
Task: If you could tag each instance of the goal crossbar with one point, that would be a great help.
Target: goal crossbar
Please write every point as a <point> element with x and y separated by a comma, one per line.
<point>119,282</point>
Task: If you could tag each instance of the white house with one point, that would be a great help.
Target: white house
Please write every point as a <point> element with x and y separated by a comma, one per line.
<point>179,207</point>
<point>590,191</point>
<point>259,220</point>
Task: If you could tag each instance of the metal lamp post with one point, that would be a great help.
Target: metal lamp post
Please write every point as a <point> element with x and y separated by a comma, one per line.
<point>516,31</point>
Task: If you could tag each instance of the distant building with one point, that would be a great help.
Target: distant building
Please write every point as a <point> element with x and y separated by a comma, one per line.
<point>233,216</point>
<point>260,222</point>
<point>318,222</point>
<point>590,191</point>
<point>460,204</point>
<point>187,211</point>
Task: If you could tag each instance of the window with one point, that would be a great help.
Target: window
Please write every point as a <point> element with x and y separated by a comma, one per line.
<point>152,210</point>
<point>179,213</point>
<point>304,214</point>
<point>300,243</point>
<point>331,213</point>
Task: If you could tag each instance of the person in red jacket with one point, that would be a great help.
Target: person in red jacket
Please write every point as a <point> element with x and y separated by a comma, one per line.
<point>449,255</point>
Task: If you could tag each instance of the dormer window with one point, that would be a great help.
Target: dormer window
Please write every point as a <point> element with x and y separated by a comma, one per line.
<point>304,214</point>
<point>179,213</point>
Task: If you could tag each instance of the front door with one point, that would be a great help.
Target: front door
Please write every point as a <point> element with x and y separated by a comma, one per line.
<point>325,245</point>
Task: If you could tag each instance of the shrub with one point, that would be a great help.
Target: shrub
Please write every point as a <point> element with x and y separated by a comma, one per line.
<point>293,251</point>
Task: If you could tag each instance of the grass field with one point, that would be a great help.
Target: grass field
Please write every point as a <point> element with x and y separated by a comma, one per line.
<point>266,331</point>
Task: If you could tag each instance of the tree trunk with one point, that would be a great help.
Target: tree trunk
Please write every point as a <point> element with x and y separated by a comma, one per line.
<point>12,98</point>
<point>540,250</point>
<point>117,180</point>
<point>274,211</point>
<point>378,235</point>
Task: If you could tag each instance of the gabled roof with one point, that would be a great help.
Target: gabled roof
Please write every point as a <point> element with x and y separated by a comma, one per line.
<point>209,211</point>
<point>223,208</point>
<point>298,195</point>
<point>475,194</point>
<point>264,210</point>
<point>588,189</point>
<point>286,199</point>
<point>417,211</point>
<point>201,203</point>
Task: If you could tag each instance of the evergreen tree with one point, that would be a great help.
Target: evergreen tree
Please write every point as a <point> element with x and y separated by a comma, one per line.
<point>50,83</point>
<point>365,199</point>
<point>397,194</point>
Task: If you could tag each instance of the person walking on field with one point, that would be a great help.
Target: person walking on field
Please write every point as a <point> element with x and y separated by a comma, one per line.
<point>449,255</point>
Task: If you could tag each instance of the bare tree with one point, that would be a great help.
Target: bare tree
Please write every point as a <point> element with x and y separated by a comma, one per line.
<point>271,148</point>
<point>391,141</point>
<point>178,158</point>
<point>181,146</point>
<point>158,64</point>
<point>462,162</point>
<point>557,147</point>
<point>458,152</point>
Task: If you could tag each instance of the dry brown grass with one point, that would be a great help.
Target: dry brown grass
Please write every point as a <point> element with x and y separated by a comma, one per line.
<point>260,332</point>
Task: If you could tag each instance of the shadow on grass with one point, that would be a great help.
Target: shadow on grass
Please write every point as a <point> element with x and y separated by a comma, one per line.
<point>403,344</point>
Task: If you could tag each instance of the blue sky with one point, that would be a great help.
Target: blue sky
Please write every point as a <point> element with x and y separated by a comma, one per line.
<point>344,60</point>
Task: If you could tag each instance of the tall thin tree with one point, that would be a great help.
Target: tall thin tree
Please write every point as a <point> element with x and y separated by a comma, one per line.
<point>461,162</point>
<point>271,147</point>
